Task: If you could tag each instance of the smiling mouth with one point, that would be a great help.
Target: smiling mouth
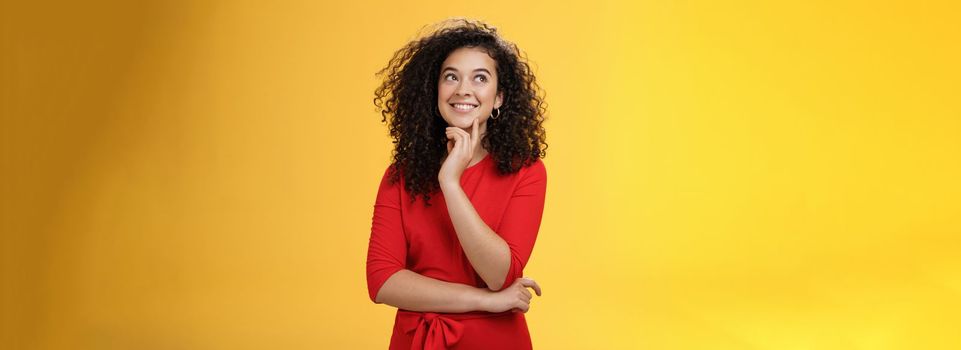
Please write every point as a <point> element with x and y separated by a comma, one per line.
<point>463,107</point>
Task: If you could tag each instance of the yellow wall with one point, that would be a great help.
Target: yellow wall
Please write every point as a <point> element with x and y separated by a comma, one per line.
<point>722,174</point>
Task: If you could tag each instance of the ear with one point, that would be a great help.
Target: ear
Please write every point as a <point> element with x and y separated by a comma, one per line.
<point>499,100</point>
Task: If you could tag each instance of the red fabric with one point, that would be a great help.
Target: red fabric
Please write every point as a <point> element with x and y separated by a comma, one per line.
<point>431,330</point>
<point>422,239</point>
<point>471,330</point>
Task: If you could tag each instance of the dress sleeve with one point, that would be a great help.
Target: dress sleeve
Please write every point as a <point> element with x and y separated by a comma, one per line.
<point>522,219</point>
<point>387,249</point>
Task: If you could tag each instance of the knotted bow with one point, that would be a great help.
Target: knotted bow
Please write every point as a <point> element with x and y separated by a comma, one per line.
<point>434,332</point>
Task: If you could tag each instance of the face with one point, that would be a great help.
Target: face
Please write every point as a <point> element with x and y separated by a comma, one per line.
<point>467,88</point>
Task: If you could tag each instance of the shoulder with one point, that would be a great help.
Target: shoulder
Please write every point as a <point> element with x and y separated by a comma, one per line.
<point>393,176</point>
<point>533,172</point>
<point>536,168</point>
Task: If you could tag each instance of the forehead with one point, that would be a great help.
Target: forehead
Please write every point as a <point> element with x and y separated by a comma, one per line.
<point>468,59</point>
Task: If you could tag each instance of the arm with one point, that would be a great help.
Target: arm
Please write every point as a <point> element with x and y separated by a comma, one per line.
<point>499,258</point>
<point>487,252</point>
<point>412,291</point>
<point>388,280</point>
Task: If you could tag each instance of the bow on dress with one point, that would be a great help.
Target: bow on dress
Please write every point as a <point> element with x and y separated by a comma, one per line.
<point>434,332</point>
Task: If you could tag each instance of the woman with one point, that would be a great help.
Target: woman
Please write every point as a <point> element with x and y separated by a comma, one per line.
<point>458,210</point>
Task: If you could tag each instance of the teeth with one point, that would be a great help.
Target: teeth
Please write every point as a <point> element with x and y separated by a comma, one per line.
<point>464,107</point>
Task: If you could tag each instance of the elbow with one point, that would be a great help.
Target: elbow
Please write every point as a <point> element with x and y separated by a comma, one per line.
<point>376,293</point>
<point>373,291</point>
<point>514,270</point>
<point>378,282</point>
<point>376,296</point>
<point>496,284</point>
<point>495,288</point>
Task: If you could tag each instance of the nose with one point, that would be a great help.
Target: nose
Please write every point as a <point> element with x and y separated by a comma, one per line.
<point>463,89</point>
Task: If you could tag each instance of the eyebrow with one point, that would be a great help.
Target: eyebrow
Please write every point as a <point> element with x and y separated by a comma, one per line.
<point>478,69</point>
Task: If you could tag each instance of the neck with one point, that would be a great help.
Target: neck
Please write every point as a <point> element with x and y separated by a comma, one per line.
<point>479,154</point>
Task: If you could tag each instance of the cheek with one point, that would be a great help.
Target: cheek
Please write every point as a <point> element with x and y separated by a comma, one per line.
<point>488,94</point>
<point>443,92</point>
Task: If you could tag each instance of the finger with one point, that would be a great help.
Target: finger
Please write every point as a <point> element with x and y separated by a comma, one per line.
<point>451,141</point>
<point>454,136</point>
<point>527,282</point>
<point>463,139</point>
<point>459,131</point>
<point>525,298</point>
<point>524,307</point>
<point>526,292</point>
<point>475,134</point>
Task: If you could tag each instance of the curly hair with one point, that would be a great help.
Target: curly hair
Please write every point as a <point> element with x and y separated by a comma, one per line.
<point>407,97</point>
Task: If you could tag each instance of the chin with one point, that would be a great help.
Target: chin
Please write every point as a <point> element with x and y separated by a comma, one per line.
<point>468,122</point>
<point>462,121</point>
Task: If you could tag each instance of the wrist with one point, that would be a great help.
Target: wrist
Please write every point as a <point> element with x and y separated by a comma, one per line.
<point>478,299</point>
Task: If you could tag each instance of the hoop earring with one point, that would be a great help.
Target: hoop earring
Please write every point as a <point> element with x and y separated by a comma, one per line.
<point>495,115</point>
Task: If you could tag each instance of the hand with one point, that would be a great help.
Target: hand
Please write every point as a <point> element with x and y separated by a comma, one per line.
<point>515,297</point>
<point>460,151</point>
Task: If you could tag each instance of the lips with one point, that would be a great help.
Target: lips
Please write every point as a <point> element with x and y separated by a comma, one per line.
<point>463,107</point>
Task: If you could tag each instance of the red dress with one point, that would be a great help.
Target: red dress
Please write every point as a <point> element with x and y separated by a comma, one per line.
<point>422,239</point>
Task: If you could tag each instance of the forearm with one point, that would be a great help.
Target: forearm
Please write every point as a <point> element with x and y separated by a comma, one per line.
<point>487,252</point>
<point>412,291</point>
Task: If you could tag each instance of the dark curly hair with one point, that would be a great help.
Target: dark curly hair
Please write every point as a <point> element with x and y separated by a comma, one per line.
<point>407,97</point>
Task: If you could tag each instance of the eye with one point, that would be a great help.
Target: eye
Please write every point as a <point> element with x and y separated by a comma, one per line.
<point>450,76</point>
<point>481,78</point>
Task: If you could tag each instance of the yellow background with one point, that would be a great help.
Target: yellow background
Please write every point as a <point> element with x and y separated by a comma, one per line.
<point>722,174</point>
